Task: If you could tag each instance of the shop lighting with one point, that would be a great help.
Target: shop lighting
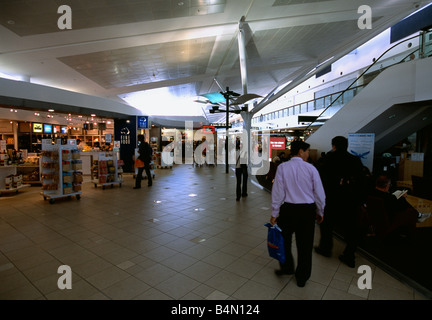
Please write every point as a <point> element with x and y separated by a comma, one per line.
<point>51,110</point>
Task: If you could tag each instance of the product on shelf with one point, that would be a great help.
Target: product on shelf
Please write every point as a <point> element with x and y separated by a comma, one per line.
<point>78,177</point>
<point>67,188</point>
<point>76,154</point>
<point>76,165</point>
<point>67,177</point>
<point>66,165</point>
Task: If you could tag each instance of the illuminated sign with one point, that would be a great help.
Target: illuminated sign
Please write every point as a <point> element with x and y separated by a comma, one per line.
<point>277,143</point>
<point>142,122</point>
<point>37,127</point>
<point>47,128</point>
<point>208,129</point>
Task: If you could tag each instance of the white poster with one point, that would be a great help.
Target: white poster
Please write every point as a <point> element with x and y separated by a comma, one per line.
<point>362,145</point>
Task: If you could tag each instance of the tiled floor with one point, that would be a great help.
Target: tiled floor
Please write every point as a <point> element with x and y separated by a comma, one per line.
<point>184,238</point>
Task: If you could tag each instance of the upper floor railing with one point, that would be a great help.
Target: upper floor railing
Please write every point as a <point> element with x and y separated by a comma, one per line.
<point>342,97</point>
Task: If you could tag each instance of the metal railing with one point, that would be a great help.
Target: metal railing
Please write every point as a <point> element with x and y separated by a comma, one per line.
<point>342,97</point>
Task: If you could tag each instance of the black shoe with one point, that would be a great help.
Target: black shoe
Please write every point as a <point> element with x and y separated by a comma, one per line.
<point>283,272</point>
<point>238,199</point>
<point>349,262</point>
<point>322,252</point>
<point>301,284</point>
<point>137,187</point>
<point>150,185</point>
<point>244,195</point>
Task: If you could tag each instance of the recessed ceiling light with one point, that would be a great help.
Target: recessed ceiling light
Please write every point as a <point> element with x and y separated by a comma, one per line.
<point>93,115</point>
<point>51,110</point>
<point>11,22</point>
<point>181,3</point>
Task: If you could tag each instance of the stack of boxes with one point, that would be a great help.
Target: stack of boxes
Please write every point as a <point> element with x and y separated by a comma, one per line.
<point>103,171</point>
<point>13,181</point>
<point>66,168</point>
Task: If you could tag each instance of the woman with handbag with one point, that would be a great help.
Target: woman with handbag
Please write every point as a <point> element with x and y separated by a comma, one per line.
<point>143,161</point>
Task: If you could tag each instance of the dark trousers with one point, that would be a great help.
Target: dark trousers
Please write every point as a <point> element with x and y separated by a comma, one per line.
<point>140,173</point>
<point>340,217</point>
<point>298,219</point>
<point>241,188</point>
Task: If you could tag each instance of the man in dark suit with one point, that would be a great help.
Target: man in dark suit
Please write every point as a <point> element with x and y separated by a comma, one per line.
<point>342,177</point>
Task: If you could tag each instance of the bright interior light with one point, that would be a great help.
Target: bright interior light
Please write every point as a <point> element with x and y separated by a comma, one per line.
<point>161,102</point>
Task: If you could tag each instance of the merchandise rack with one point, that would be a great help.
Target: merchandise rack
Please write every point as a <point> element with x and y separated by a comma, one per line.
<point>31,169</point>
<point>7,171</point>
<point>61,164</point>
<point>107,171</point>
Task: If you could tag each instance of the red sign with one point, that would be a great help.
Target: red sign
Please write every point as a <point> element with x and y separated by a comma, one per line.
<point>277,143</point>
<point>209,129</point>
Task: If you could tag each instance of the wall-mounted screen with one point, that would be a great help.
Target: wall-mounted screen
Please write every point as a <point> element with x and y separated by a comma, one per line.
<point>37,127</point>
<point>88,126</point>
<point>64,130</point>
<point>56,129</point>
<point>47,128</point>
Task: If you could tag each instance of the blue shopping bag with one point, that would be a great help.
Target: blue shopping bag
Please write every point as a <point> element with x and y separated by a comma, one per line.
<point>275,243</point>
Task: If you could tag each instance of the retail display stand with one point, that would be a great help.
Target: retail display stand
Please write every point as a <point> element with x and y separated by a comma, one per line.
<point>32,171</point>
<point>106,171</point>
<point>10,181</point>
<point>61,171</point>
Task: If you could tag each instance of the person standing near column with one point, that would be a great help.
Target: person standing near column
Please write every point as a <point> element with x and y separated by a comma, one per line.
<point>298,199</point>
<point>241,172</point>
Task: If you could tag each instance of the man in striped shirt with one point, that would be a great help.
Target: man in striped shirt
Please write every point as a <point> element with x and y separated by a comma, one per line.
<point>298,199</point>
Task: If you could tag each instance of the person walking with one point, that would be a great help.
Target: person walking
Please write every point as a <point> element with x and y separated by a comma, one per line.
<point>298,199</point>
<point>145,154</point>
<point>241,172</point>
<point>344,184</point>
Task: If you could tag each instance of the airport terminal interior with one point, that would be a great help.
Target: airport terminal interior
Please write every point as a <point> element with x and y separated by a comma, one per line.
<point>80,81</point>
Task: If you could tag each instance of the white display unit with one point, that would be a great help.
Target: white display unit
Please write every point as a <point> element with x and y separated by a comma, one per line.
<point>7,171</point>
<point>59,169</point>
<point>107,170</point>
